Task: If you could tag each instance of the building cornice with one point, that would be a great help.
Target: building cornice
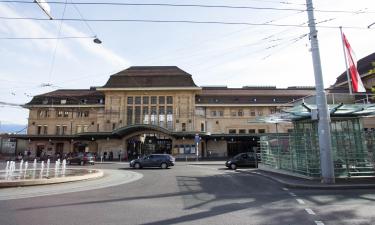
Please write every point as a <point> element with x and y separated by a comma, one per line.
<point>152,89</point>
<point>63,106</point>
<point>241,105</point>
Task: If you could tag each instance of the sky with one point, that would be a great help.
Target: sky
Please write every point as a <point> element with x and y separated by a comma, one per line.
<point>215,54</point>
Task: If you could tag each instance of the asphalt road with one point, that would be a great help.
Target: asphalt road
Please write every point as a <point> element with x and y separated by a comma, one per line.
<point>192,194</point>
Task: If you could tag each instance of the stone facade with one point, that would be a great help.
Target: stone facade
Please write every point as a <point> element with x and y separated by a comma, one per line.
<point>155,109</point>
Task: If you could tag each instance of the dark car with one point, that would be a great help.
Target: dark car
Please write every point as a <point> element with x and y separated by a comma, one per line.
<point>82,158</point>
<point>154,160</point>
<point>246,159</point>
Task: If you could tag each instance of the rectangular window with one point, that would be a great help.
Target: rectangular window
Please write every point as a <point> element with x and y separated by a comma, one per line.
<point>60,113</point>
<point>202,127</point>
<point>161,100</point>
<point>261,131</point>
<point>260,112</point>
<point>64,129</point>
<point>137,115</point>
<point>169,99</point>
<point>154,115</point>
<point>242,131</point>
<point>161,110</point>
<point>154,100</point>
<point>113,126</point>
<point>39,130</point>
<point>232,131</point>
<point>79,129</point>
<point>86,114</point>
<point>183,126</point>
<point>66,114</point>
<point>145,115</point>
<point>221,113</point>
<point>251,131</point>
<point>137,100</point>
<point>58,130</point>
<point>252,113</point>
<point>240,112</point>
<point>129,115</point>
<point>213,113</point>
<point>45,129</point>
<point>130,100</point>
<point>233,113</point>
<point>145,100</point>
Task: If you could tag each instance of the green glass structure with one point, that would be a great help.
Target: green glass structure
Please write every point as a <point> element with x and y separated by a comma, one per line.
<point>298,152</point>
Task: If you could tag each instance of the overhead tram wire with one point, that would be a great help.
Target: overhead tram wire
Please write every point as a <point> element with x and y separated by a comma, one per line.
<point>179,21</point>
<point>42,38</point>
<point>187,5</point>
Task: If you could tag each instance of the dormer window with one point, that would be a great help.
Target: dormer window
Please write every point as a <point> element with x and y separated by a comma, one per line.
<point>83,101</point>
<point>63,101</point>
<point>254,99</point>
<point>274,100</point>
<point>45,102</point>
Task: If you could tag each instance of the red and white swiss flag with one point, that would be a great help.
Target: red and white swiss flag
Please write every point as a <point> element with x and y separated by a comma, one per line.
<point>354,75</point>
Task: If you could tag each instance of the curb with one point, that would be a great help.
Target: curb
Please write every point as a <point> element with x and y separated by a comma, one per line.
<point>318,186</point>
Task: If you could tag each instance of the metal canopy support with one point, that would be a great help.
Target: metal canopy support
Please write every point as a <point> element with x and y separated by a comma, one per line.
<point>326,162</point>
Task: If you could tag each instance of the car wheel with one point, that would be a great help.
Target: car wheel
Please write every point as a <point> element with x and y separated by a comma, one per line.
<point>137,165</point>
<point>164,166</point>
<point>82,163</point>
<point>233,166</point>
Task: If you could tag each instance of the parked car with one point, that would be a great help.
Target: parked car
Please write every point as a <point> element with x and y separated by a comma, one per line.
<point>82,158</point>
<point>246,159</point>
<point>154,160</point>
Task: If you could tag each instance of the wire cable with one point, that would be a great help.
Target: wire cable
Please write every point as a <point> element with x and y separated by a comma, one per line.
<point>179,21</point>
<point>190,5</point>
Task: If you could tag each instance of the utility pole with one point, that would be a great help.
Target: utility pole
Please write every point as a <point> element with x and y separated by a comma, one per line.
<point>324,131</point>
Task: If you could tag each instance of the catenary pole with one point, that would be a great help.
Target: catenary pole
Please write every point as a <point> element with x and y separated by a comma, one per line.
<point>326,162</point>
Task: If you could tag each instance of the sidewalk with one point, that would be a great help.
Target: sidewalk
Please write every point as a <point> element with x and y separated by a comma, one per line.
<point>296,182</point>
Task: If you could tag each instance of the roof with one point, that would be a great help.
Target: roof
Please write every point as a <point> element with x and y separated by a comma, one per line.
<point>364,65</point>
<point>72,97</point>
<point>150,76</point>
<point>256,95</point>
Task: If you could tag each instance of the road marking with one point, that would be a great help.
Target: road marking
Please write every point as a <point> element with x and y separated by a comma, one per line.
<point>309,211</point>
<point>285,189</point>
<point>292,194</point>
<point>300,201</point>
<point>319,222</point>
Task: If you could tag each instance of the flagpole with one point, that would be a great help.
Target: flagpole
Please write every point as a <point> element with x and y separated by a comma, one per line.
<point>346,63</point>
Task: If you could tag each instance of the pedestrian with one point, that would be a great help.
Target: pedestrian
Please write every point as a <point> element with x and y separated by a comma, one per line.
<point>105,156</point>
<point>111,155</point>
<point>119,155</point>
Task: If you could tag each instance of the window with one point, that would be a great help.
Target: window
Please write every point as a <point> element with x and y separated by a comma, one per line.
<point>145,100</point>
<point>240,112</point>
<point>221,113</point>
<point>45,129</point>
<point>83,101</point>
<point>183,125</point>
<point>113,126</point>
<point>251,131</point>
<point>233,113</point>
<point>261,131</point>
<point>169,110</point>
<point>260,112</point>
<point>213,113</point>
<point>83,114</point>
<point>232,131</point>
<point>60,113</point>
<point>161,100</point>
<point>169,99</point>
<point>66,114</point>
<point>137,115</point>
<point>252,113</point>
<point>202,127</point>
<point>129,115</point>
<point>58,130</point>
<point>242,131</point>
<point>153,100</point>
<point>64,129</point>
<point>130,100</point>
<point>137,100</point>
<point>79,128</point>
<point>39,130</point>
<point>161,110</point>
<point>63,101</point>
